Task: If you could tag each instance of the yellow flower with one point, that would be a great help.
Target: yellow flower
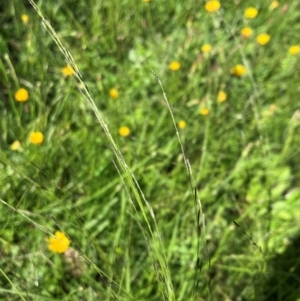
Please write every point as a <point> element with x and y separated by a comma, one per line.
<point>124,131</point>
<point>16,145</point>
<point>36,138</point>
<point>246,32</point>
<point>147,1</point>
<point>212,6</point>
<point>181,124</point>
<point>263,39</point>
<point>204,111</point>
<point>238,70</point>
<point>174,66</point>
<point>222,96</point>
<point>206,48</point>
<point>250,13</point>
<point>21,95</point>
<point>294,49</point>
<point>274,5</point>
<point>273,108</point>
<point>68,71</point>
<point>113,93</point>
<point>25,18</point>
<point>60,243</point>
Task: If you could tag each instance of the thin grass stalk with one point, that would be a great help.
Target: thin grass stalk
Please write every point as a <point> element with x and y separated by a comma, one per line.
<point>130,179</point>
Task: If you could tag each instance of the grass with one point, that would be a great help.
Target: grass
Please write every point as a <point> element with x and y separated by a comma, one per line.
<point>215,217</point>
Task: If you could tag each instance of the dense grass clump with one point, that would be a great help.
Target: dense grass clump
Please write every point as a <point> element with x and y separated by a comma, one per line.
<point>149,150</point>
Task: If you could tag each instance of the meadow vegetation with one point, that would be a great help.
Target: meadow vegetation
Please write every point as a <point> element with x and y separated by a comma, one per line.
<point>149,150</point>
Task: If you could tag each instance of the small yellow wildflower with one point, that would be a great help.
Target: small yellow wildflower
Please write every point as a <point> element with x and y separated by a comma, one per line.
<point>222,96</point>
<point>147,1</point>
<point>212,6</point>
<point>60,243</point>
<point>263,39</point>
<point>16,145</point>
<point>68,71</point>
<point>206,48</point>
<point>204,111</point>
<point>181,124</point>
<point>238,70</point>
<point>246,32</point>
<point>124,131</point>
<point>294,49</point>
<point>36,138</point>
<point>21,95</point>
<point>174,66</point>
<point>250,13</point>
<point>274,5</point>
<point>273,108</point>
<point>25,18</point>
<point>113,93</point>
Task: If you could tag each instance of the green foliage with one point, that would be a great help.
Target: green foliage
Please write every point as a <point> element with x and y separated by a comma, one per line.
<point>244,154</point>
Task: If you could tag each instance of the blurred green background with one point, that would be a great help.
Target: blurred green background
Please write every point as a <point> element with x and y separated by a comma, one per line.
<point>244,150</point>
